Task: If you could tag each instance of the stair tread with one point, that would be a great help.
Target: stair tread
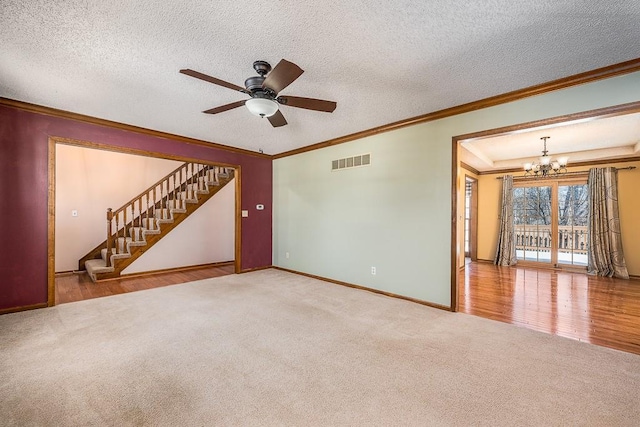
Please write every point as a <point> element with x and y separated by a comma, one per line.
<point>96,266</point>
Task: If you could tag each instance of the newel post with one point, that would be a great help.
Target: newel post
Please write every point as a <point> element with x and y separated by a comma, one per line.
<point>109,243</point>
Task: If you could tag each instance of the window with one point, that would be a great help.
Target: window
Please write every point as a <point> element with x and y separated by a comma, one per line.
<point>573,214</point>
<point>550,222</point>
<point>532,223</point>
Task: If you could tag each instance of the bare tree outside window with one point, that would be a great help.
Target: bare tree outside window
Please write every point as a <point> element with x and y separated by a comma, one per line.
<point>573,215</point>
<point>573,205</point>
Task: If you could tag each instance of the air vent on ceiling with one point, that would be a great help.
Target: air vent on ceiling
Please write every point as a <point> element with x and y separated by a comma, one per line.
<point>351,162</point>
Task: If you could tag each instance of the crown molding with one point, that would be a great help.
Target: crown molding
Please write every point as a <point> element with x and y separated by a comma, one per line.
<point>563,83</point>
<point>39,109</point>
<point>469,168</point>
<point>577,165</point>
<point>577,79</point>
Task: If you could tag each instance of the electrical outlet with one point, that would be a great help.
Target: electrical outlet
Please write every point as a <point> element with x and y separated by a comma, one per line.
<point>373,271</point>
<point>286,255</point>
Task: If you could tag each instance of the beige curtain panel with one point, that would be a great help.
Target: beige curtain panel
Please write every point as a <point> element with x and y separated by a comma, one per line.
<point>606,257</point>
<point>506,251</point>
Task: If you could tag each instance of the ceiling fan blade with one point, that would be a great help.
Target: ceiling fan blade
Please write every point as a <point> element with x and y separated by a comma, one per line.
<point>277,119</point>
<point>308,103</point>
<point>223,108</point>
<point>213,80</point>
<point>282,76</point>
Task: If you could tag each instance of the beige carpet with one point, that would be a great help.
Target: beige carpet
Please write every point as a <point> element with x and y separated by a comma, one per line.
<point>273,348</point>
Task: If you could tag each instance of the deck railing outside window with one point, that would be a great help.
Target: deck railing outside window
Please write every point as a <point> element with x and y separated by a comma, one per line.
<point>534,243</point>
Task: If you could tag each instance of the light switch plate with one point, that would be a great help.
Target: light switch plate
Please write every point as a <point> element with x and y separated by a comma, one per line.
<point>245,214</point>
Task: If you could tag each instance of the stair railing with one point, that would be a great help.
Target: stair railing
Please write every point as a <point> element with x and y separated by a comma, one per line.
<point>141,211</point>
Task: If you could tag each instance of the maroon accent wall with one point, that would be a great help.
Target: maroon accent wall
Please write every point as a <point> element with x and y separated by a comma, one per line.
<point>24,191</point>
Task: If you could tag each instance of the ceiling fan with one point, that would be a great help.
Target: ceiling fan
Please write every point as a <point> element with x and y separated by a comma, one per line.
<point>264,89</point>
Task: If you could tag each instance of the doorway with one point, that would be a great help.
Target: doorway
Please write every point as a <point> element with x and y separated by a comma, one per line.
<point>471,218</point>
<point>550,222</point>
<point>548,290</point>
<point>232,261</point>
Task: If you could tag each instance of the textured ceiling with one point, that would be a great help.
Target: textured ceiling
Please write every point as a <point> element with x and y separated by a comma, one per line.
<point>380,61</point>
<point>580,141</point>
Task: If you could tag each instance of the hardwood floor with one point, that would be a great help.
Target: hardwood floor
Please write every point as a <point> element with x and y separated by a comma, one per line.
<point>78,287</point>
<point>599,310</point>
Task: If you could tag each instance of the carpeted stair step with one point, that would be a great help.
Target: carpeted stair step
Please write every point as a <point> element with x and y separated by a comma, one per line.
<point>177,205</point>
<point>212,177</point>
<point>163,216</point>
<point>138,235</point>
<point>103,253</point>
<point>188,196</point>
<point>150,224</point>
<point>95,266</point>
<point>123,250</point>
<point>200,187</point>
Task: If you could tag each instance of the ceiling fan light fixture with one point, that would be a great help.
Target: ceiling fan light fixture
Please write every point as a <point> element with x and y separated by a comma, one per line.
<point>262,107</point>
<point>263,91</point>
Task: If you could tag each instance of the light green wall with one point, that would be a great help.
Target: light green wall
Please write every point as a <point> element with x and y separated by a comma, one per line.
<point>396,214</point>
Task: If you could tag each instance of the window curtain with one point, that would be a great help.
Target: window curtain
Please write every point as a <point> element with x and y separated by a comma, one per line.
<point>606,257</point>
<point>506,251</point>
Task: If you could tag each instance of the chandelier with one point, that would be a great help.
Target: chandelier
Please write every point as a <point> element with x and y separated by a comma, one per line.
<point>546,166</point>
